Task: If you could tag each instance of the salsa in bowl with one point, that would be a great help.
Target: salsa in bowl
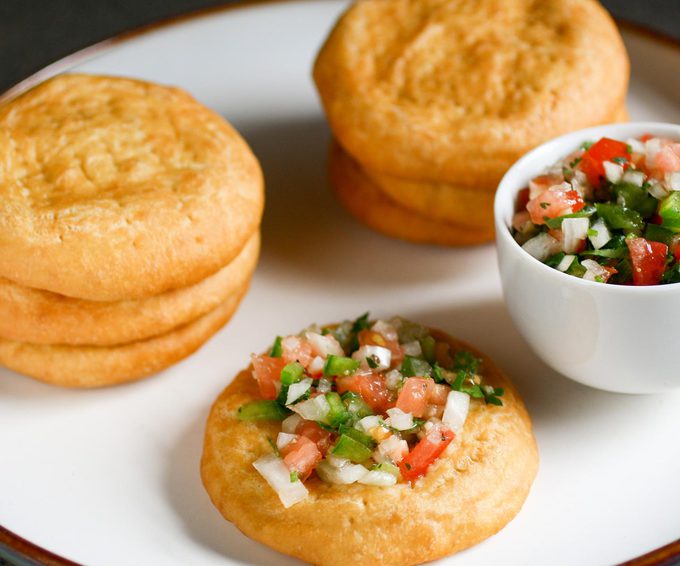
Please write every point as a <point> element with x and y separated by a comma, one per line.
<point>590,297</point>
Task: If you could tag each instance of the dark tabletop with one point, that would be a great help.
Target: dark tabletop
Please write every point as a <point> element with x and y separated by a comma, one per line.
<point>34,33</point>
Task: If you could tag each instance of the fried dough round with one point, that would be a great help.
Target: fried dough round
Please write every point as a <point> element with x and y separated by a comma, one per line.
<point>362,198</point>
<point>455,91</point>
<point>476,487</point>
<point>445,202</point>
<point>99,366</point>
<point>114,189</point>
<point>41,317</point>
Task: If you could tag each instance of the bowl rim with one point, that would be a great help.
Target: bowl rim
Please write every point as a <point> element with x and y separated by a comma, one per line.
<point>508,188</point>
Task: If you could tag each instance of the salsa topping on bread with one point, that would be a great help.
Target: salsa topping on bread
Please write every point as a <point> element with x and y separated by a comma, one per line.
<point>608,212</point>
<point>369,402</point>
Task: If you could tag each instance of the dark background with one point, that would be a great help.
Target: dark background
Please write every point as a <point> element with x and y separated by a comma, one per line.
<point>34,33</point>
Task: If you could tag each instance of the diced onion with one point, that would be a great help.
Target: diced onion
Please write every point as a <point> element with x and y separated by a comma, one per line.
<point>336,461</point>
<point>594,270</point>
<point>413,348</point>
<point>399,419</point>
<point>542,246</point>
<point>574,231</point>
<point>600,234</point>
<point>297,390</point>
<point>393,449</point>
<point>315,367</point>
<point>613,171</point>
<point>277,475</point>
<point>367,423</point>
<point>346,474</point>
<point>284,439</point>
<point>290,424</point>
<point>634,177</point>
<point>636,145</point>
<point>393,379</point>
<point>324,386</point>
<point>652,147</point>
<point>324,345</point>
<point>386,330</point>
<point>456,410</point>
<point>380,356</point>
<point>565,263</point>
<point>657,189</point>
<point>315,409</point>
<point>672,180</point>
<point>376,477</point>
<point>581,184</point>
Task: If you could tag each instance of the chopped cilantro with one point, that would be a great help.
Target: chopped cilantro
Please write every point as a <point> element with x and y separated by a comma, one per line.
<point>620,160</point>
<point>293,476</point>
<point>371,361</point>
<point>592,233</point>
<point>544,205</point>
<point>587,145</point>
<point>277,350</point>
<point>274,447</point>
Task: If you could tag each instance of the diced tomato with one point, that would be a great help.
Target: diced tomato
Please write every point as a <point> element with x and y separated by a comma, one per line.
<point>522,200</point>
<point>668,159</point>
<point>646,137</point>
<point>556,201</point>
<point>371,387</point>
<point>372,338</point>
<point>301,455</point>
<point>542,183</point>
<point>520,219</point>
<point>295,349</point>
<point>322,438</point>
<point>648,259</point>
<point>414,395</point>
<point>425,453</point>
<point>437,394</point>
<point>267,371</point>
<point>592,162</point>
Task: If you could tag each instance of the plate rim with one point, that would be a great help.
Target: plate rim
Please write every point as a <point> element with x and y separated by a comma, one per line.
<point>26,553</point>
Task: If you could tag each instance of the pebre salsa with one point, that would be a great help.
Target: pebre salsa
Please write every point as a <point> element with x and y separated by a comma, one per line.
<point>609,212</point>
<point>374,403</point>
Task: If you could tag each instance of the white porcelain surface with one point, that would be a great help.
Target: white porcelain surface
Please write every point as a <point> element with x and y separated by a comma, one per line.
<point>613,337</point>
<point>111,477</point>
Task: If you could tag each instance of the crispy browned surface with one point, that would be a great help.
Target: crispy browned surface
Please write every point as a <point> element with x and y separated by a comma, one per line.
<point>113,189</point>
<point>98,366</point>
<point>368,203</point>
<point>454,91</point>
<point>41,317</point>
<point>470,493</point>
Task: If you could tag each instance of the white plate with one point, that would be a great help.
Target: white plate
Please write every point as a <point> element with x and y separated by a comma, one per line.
<point>111,476</point>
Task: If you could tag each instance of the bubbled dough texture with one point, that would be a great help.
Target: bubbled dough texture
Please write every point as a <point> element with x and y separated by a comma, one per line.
<point>470,493</point>
<point>99,366</point>
<point>455,91</point>
<point>113,189</point>
<point>362,197</point>
<point>41,317</point>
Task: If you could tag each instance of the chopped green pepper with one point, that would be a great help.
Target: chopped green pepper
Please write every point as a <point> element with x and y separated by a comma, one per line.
<point>353,450</point>
<point>427,345</point>
<point>669,210</point>
<point>618,217</point>
<point>585,212</point>
<point>292,373</point>
<point>277,349</point>
<point>412,367</point>
<point>339,365</point>
<point>338,413</point>
<point>635,198</point>
<point>356,406</point>
<point>357,435</point>
<point>657,233</point>
<point>264,410</point>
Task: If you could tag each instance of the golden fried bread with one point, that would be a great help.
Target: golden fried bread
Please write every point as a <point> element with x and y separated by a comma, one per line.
<point>99,366</point>
<point>454,91</point>
<point>476,487</point>
<point>41,317</point>
<point>114,189</point>
<point>445,202</point>
<point>362,197</point>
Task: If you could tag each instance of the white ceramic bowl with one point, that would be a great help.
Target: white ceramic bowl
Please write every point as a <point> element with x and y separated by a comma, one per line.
<point>612,337</point>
